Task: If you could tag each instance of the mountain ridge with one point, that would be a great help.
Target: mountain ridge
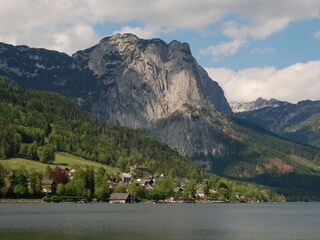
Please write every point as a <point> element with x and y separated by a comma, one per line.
<point>297,122</point>
<point>255,105</point>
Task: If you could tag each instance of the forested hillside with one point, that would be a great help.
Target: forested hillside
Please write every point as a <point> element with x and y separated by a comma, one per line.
<point>259,156</point>
<point>34,125</point>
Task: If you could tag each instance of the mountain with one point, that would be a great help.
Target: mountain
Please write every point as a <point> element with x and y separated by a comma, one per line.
<point>160,89</point>
<point>127,81</point>
<point>297,122</point>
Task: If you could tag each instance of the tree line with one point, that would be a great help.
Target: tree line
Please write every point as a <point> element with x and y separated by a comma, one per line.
<point>89,184</point>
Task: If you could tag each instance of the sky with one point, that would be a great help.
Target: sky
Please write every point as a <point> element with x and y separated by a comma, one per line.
<point>252,48</point>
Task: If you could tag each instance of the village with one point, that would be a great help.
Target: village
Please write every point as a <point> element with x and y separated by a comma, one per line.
<point>138,185</point>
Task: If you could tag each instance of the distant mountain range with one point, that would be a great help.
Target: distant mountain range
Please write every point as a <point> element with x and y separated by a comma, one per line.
<point>255,105</point>
<point>297,122</point>
<point>160,89</point>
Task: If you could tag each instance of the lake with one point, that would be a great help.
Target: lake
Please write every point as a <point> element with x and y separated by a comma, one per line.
<point>263,221</point>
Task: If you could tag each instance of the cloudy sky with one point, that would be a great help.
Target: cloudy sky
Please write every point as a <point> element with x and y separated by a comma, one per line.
<point>252,48</point>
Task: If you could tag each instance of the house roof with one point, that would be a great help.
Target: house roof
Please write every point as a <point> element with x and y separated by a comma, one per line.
<point>177,189</point>
<point>125,175</point>
<point>150,187</point>
<point>199,190</point>
<point>141,168</point>
<point>146,181</point>
<point>119,196</point>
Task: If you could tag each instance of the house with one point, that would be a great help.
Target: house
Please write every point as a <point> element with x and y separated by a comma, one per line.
<point>71,173</point>
<point>171,199</point>
<point>113,178</point>
<point>112,185</point>
<point>239,196</point>
<point>48,186</point>
<point>212,190</point>
<point>120,198</point>
<point>145,182</point>
<point>145,171</point>
<point>200,191</point>
<point>126,177</point>
<point>157,176</point>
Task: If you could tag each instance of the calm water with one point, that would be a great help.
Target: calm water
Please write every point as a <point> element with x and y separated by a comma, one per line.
<point>266,221</point>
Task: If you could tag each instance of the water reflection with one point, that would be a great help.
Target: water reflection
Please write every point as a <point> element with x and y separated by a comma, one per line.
<point>162,221</point>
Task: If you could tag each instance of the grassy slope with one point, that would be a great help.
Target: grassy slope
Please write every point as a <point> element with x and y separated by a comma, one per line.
<point>64,159</point>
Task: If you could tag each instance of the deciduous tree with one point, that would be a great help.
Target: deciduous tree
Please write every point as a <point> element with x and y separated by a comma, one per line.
<point>34,182</point>
<point>47,154</point>
<point>60,176</point>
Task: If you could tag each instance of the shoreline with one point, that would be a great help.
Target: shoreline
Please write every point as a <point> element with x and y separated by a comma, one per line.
<point>41,201</point>
<point>21,200</point>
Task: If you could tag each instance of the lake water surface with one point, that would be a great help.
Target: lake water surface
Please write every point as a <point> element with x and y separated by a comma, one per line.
<point>264,221</point>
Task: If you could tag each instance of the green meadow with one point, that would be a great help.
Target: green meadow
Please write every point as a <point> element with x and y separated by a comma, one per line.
<point>61,159</point>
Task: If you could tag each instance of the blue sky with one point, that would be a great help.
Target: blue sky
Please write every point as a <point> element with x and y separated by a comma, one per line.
<point>252,48</point>
<point>295,43</point>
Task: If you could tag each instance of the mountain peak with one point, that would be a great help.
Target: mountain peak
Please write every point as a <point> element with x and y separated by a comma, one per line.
<point>181,46</point>
<point>123,37</point>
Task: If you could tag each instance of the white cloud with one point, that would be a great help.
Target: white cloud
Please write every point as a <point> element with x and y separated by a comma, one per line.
<point>294,83</point>
<point>317,35</point>
<point>263,18</point>
<point>41,22</point>
<point>223,49</point>
<point>242,34</point>
<point>59,25</point>
<point>146,32</point>
<point>262,51</point>
<point>75,38</point>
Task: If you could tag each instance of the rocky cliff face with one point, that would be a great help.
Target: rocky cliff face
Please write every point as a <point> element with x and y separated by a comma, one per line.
<point>127,81</point>
<point>143,81</point>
